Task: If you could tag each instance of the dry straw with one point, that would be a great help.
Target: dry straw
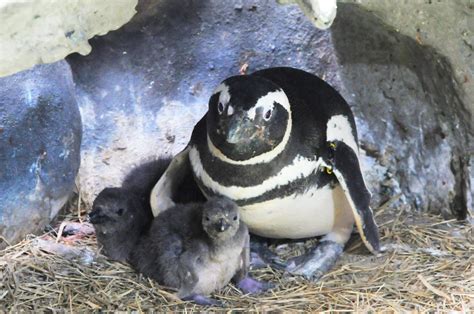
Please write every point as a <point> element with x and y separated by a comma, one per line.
<point>427,266</point>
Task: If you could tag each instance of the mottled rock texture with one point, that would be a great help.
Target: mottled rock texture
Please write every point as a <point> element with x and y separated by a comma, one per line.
<point>442,31</point>
<point>406,74</point>
<point>44,31</point>
<point>410,112</point>
<point>447,26</point>
<point>40,138</point>
<point>143,87</point>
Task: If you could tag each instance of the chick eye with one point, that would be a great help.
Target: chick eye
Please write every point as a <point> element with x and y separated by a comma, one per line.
<point>235,218</point>
<point>120,211</point>
<point>268,114</point>
<point>220,107</point>
<point>207,218</point>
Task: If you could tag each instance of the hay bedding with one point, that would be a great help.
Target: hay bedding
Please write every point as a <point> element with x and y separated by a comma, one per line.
<point>427,266</point>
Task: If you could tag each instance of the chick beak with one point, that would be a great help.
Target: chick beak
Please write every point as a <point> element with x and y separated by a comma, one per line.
<point>97,217</point>
<point>222,225</point>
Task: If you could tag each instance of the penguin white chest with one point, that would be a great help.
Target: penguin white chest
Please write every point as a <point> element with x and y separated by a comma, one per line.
<point>296,216</point>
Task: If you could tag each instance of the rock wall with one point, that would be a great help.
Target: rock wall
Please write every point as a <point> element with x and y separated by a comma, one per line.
<point>447,26</point>
<point>144,86</point>
<point>40,138</point>
<point>414,124</point>
<point>410,112</point>
<point>44,31</point>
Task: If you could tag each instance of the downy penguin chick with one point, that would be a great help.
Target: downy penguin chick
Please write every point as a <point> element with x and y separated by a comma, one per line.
<point>197,248</point>
<point>119,220</point>
<point>121,214</point>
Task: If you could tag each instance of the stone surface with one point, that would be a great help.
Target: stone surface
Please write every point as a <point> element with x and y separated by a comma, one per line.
<point>406,70</point>
<point>445,25</point>
<point>145,85</point>
<point>412,117</point>
<point>320,12</point>
<point>44,31</point>
<point>40,136</point>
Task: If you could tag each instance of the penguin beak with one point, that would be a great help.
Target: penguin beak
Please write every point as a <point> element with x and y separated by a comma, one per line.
<point>240,129</point>
<point>222,226</point>
<point>97,217</point>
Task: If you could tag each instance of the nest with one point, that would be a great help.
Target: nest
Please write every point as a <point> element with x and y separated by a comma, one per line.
<point>427,266</point>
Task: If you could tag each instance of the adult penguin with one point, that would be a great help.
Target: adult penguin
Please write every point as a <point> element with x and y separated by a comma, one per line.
<point>282,144</point>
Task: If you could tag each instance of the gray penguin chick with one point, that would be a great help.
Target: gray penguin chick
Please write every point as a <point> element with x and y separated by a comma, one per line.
<point>119,220</point>
<point>120,215</point>
<point>197,248</point>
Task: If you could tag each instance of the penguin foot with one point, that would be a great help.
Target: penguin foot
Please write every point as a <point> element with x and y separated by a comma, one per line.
<point>261,256</point>
<point>202,300</point>
<point>248,285</point>
<point>316,263</point>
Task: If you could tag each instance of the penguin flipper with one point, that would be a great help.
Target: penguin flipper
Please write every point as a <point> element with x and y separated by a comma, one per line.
<point>346,168</point>
<point>162,193</point>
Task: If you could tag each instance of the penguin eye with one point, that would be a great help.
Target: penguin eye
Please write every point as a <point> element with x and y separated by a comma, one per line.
<point>120,211</point>
<point>220,108</point>
<point>235,218</point>
<point>268,114</point>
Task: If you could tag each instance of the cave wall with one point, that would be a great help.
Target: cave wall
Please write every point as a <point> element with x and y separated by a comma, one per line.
<point>142,88</point>
<point>40,140</point>
<point>414,124</point>
<point>44,31</point>
<point>410,112</point>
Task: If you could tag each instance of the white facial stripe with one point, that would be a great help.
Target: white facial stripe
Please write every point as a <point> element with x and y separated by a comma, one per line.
<point>230,110</point>
<point>224,96</point>
<point>339,129</point>
<point>267,102</point>
<point>300,167</point>
<point>265,157</point>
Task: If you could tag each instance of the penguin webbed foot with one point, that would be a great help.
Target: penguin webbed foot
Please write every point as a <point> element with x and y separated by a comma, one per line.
<point>316,263</point>
<point>248,285</point>
<point>202,300</point>
<point>261,256</point>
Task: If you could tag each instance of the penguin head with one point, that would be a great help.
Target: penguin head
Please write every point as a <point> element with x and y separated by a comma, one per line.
<point>113,211</point>
<point>220,218</point>
<point>248,117</point>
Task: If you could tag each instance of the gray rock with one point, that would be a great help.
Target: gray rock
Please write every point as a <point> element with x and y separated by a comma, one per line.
<point>409,111</point>
<point>40,136</point>
<point>445,25</point>
<point>144,86</point>
<point>37,32</point>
